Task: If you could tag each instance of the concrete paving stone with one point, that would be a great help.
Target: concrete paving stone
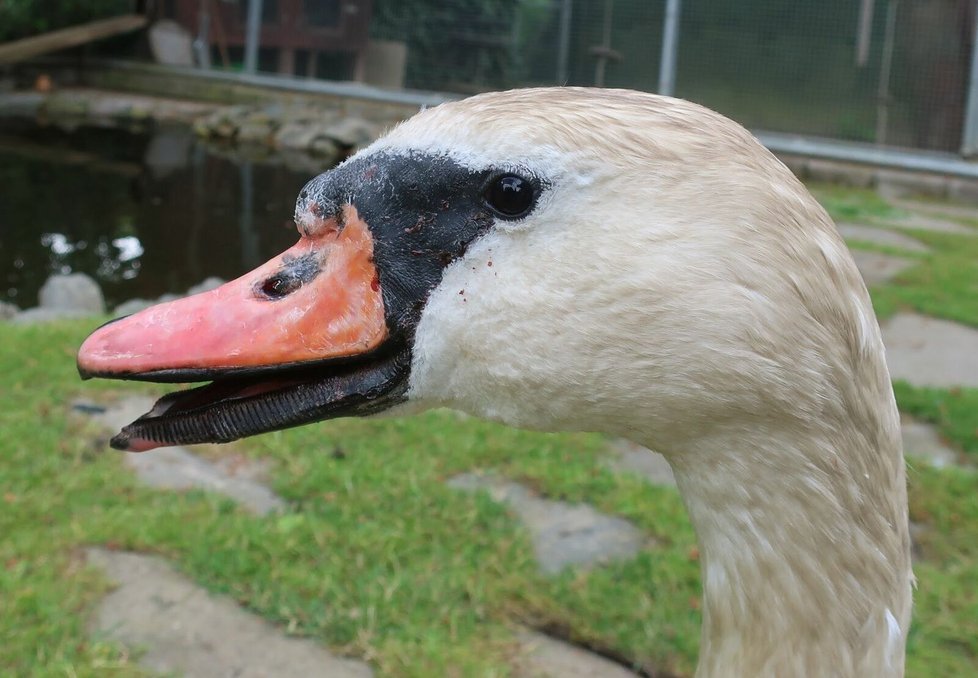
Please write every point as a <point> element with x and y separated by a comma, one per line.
<point>182,628</point>
<point>877,268</point>
<point>544,657</point>
<point>881,236</point>
<point>921,441</point>
<point>629,456</point>
<point>928,222</point>
<point>946,210</point>
<point>177,468</point>
<point>563,534</point>
<point>931,352</point>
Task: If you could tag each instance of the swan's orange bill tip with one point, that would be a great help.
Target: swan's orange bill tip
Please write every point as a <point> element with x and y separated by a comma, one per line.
<point>319,300</point>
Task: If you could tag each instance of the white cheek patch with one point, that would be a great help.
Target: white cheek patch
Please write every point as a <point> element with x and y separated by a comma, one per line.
<point>477,149</point>
<point>468,146</point>
<point>465,348</point>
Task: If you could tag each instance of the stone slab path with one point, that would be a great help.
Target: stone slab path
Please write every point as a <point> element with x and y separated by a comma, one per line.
<point>928,222</point>
<point>177,468</point>
<point>544,657</point>
<point>632,457</point>
<point>921,441</point>
<point>563,534</point>
<point>877,268</point>
<point>881,236</point>
<point>949,211</point>
<point>185,629</point>
<point>931,352</point>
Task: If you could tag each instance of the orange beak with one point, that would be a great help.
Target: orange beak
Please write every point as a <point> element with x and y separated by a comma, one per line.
<point>319,300</point>
<point>324,330</point>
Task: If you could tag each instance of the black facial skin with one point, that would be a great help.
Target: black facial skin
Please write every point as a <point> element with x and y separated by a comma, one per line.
<point>423,212</point>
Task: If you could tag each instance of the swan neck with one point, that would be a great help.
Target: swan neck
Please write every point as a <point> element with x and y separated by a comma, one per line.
<point>804,550</point>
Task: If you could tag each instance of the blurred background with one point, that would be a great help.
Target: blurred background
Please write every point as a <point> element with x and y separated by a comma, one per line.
<point>309,81</point>
<point>881,71</point>
<point>154,148</point>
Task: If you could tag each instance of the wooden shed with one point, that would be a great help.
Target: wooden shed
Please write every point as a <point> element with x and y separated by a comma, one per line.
<point>294,33</point>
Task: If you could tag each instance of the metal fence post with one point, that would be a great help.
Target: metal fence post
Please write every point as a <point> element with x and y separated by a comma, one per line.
<point>202,43</point>
<point>886,66</point>
<point>670,42</point>
<point>969,140</point>
<point>252,34</point>
<point>563,46</point>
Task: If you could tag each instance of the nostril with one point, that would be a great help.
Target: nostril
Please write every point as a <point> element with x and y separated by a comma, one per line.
<point>295,272</point>
<point>280,285</point>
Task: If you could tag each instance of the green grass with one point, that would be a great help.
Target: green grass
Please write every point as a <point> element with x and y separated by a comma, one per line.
<point>954,412</point>
<point>942,283</point>
<point>853,204</point>
<point>377,558</point>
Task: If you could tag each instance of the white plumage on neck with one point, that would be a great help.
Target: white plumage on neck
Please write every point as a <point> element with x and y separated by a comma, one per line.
<point>678,286</point>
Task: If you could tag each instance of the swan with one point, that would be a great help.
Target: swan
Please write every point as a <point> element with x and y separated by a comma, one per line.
<point>573,259</point>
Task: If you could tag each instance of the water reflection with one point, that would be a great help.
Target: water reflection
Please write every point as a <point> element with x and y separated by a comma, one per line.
<point>144,215</point>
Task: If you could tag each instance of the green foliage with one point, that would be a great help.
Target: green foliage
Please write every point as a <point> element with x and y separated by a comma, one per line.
<point>24,18</point>
<point>453,46</point>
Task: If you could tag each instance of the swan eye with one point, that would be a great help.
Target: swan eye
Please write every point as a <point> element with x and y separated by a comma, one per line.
<point>510,195</point>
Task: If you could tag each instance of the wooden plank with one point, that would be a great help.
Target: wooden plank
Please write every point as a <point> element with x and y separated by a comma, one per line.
<point>18,50</point>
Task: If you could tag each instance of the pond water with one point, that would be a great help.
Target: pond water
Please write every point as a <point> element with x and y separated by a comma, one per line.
<point>144,214</point>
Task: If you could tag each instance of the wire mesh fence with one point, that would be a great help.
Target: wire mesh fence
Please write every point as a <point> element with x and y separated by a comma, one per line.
<point>892,72</point>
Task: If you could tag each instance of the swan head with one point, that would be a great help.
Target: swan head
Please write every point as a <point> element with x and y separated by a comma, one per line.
<point>562,259</point>
<point>580,259</point>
